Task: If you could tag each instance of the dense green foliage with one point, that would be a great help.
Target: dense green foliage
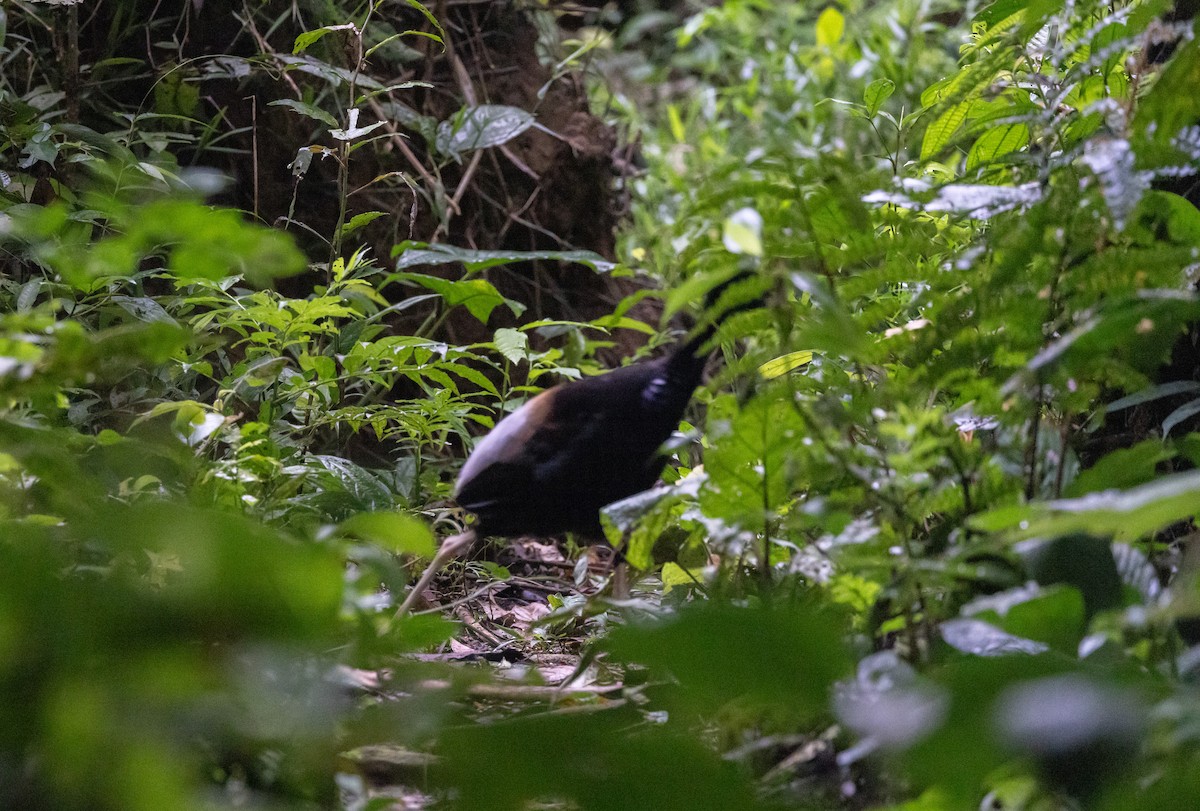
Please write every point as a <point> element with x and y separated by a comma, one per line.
<point>926,541</point>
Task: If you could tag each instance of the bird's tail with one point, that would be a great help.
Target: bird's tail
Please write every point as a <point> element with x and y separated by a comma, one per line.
<point>740,292</point>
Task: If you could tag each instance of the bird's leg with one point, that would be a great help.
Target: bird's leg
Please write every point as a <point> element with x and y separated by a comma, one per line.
<point>451,548</point>
<point>619,583</point>
<point>620,580</point>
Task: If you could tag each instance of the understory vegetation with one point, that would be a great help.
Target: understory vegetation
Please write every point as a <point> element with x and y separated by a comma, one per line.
<point>926,539</point>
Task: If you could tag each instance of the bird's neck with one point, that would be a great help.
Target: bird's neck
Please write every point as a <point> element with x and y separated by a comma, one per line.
<point>681,373</point>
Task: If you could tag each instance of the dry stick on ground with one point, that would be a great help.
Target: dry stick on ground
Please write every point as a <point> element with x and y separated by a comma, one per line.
<point>451,548</point>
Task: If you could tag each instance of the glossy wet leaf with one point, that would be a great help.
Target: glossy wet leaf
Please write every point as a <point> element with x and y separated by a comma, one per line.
<point>480,127</point>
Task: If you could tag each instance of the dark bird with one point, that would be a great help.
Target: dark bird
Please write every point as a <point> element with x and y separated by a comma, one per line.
<point>551,465</point>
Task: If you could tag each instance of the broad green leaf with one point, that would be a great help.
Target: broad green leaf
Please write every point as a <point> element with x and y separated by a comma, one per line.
<point>876,93</point>
<point>512,344</point>
<point>1123,514</point>
<point>144,308</point>
<point>602,759</point>
<point>1122,469</point>
<point>479,296</point>
<point>675,576</point>
<point>1053,615</point>
<point>394,531</point>
<point>718,654</point>
<point>831,25</point>
<point>366,488</point>
<point>481,127</point>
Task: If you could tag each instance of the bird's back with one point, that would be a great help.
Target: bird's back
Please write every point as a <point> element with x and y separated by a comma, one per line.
<point>554,463</point>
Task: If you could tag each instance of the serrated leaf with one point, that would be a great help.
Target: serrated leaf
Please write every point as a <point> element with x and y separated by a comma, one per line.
<point>943,129</point>
<point>512,344</point>
<point>996,143</point>
<point>748,463</point>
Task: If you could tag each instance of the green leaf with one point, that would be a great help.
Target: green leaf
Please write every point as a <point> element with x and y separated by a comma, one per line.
<point>365,487</point>
<point>1172,102</point>
<point>1123,514</point>
<point>361,220</point>
<point>749,461</point>
<point>601,759</point>
<point>785,363</point>
<point>393,531</point>
<point>512,344</point>
<point>415,254</point>
<point>640,520</point>
<point>996,143</point>
<point>307,110</point>
<point>479,296</point>
<point>876,93</point>
<point>943,129</point>
<point>675,576</point>
<point>742,232</point>
<point>831,25</point>
<point>480,127</point>
<point>1053,615</point>
<point>1123,468</point>
<point>719,653</point>
<point>430,17</point>
<point>309,37</point>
